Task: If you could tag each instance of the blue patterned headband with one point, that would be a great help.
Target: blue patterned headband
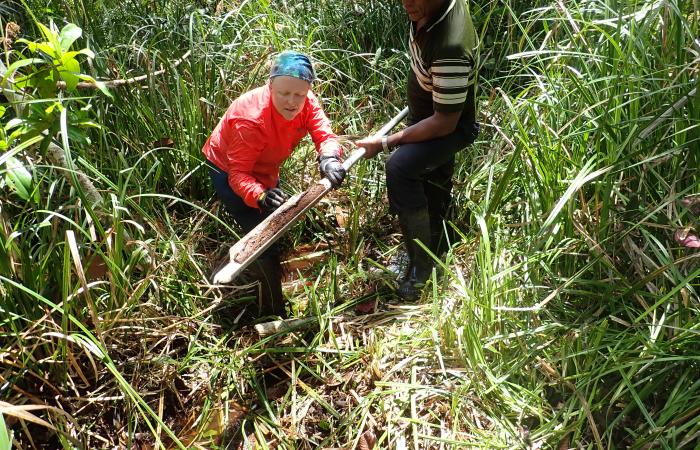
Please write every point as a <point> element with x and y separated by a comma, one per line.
<point>293,64</point>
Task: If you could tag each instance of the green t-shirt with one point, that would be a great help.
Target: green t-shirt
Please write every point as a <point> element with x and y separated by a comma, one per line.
<point>443,61</point>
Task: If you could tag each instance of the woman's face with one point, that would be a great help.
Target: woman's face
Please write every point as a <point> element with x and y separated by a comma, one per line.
<point>289,95</point>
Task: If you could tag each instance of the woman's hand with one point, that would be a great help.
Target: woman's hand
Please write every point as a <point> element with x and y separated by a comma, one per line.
<point>272,199</point>
<point>331,168</point>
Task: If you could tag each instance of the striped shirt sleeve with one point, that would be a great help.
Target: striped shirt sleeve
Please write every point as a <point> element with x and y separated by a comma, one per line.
<point>452,79</point>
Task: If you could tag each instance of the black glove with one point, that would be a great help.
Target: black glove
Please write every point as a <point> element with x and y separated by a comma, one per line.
<point>332,169</point>
<point>272,199</point>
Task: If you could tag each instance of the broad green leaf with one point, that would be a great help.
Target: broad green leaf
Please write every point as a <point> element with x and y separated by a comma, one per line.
<point>30,44</point>
<point>71,64</point>
<point>70,79</point>
<point>103,88</point>
<point>49,50</point>
<point>33,78</point>
<point>2,110</point>
<point>69,70</point>
<point>18,178</point>
<point>68,35</point>
<point>86,51</point>
<point>47,86</point>
<point>19,64</point>
<point>45,31</point>
<point>71,54</point>
<point>51,35</point>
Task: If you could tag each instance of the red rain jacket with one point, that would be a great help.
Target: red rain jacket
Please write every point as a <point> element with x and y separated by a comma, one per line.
<point>252,140</point>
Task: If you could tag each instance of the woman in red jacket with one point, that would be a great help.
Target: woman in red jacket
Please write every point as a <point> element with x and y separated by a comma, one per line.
<point>257,134</point>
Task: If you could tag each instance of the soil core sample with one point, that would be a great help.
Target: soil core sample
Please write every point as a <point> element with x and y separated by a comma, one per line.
<point>269,227</point>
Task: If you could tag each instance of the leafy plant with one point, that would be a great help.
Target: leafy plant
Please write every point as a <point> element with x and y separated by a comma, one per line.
<point>52,69</point>
<point>19,179</point>
<point>564,315</point>
<point>53,62</point>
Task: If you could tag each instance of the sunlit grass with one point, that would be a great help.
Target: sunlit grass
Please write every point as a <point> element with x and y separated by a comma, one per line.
<point>566,315</point>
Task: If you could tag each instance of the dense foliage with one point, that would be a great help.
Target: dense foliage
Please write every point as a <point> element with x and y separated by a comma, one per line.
<point>565,316</point>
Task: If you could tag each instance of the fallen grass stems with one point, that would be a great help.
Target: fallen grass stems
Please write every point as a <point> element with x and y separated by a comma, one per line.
<point>565,315</point>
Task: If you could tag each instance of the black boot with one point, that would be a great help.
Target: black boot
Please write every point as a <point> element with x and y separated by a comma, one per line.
<point>438,238</point>
<point>415,226</point>
<point>442,234</point>
<point>268,271</point>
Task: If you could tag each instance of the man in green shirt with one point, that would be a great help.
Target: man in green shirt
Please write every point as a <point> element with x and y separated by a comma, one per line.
<point>442,121</point>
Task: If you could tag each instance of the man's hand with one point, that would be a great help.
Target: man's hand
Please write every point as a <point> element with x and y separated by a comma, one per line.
<point>372,145</point>
<point>331,168</point>
<point>272,199</point>
<point>433,127</point>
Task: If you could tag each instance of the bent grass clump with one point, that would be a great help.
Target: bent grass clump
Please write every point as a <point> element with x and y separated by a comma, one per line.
<point>565,314</point>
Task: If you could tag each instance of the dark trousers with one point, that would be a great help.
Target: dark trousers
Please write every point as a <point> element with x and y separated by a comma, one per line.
<point>267,268</point>
<point>419,175</point>
<point>245,216</point>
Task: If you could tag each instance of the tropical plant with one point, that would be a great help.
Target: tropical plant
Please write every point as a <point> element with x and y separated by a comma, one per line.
<point>564,316</point>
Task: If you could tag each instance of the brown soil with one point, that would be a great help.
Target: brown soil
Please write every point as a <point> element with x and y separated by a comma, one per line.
<point>277,220</point>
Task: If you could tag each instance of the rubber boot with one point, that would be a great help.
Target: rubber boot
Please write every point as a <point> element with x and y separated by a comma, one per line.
<point>438,238</point>
<point>415,225</point>
<point>268,271</point>
<point>442,234</point>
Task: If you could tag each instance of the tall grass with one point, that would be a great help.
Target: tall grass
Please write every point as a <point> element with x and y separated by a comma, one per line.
<point>580,241</point>
<point>565,317</point>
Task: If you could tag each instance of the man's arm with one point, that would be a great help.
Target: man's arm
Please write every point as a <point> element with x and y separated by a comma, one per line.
<point>438,125</point>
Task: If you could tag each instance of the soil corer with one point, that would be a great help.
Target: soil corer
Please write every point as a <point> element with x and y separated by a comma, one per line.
<point>259,239</point>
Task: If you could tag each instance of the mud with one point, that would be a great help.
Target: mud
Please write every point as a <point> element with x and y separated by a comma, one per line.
<point>254,240</point>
